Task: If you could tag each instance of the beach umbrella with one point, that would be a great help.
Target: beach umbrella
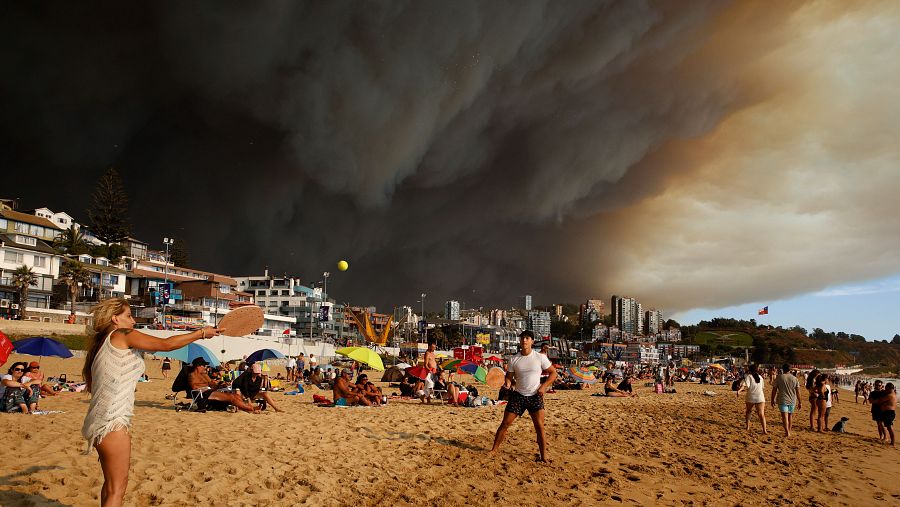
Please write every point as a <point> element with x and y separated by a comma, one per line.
<point>582,375</point>
<point>452,364</point>
<point>493,358</point>
<point>592,368</point>
<point>190,352</point>
<point>476,371</point>
<point>6,348</point>
<point>419,372</point>
<point>363,355</point>
<point>717,366</point>
<point>41,346</point>
<point>441,356</point>
<point>264,354</point>
<point>402,366</point>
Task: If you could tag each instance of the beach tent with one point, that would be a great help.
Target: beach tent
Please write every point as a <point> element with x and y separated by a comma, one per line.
<point>392,374</point>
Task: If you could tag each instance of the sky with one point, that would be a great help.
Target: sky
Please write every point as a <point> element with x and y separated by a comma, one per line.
<point>703,157</point>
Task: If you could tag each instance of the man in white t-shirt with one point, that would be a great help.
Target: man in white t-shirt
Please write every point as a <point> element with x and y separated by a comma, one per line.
<point>291,368</point>
<point>525,369</point>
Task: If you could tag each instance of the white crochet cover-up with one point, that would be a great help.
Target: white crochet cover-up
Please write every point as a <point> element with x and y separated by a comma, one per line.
<point>115,373</point>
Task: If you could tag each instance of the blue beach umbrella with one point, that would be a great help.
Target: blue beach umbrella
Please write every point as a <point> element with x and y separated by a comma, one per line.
<point>41,346</point>
<point>190,352</point>
<point>263,354</point>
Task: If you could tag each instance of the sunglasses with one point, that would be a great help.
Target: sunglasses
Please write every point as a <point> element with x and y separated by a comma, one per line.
<point>18,369</point>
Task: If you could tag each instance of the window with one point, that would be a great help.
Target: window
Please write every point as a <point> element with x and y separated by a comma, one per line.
<point>26,240</point>
<point>102,262</point>
<point>35,230</point>
<point>20,227</point>
<point>285,293</point>
<point>40,261</point>
<point>61,220</point>
<point>15,257</point>
<point>3,224</point>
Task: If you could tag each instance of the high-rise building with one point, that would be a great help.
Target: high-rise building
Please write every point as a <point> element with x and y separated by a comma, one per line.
<point>451,310</point>
<point>592,310</point>
<point>627,315</point>
<point>527,303</point>
<point>539,322</point>
<point>557,311</point>
<point>653,321</point>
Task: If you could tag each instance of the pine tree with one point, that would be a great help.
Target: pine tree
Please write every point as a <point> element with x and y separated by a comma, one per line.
<point>109,210</point>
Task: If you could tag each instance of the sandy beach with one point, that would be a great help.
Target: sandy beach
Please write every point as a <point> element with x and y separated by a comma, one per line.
<point>665,449</point>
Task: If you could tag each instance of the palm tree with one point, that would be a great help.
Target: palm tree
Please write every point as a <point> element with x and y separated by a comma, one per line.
<point>23,278</point>
<point>71,241</point>
<point>72,273</point>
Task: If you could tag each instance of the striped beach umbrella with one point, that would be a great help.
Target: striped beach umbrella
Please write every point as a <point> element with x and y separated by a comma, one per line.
<point>582,375</point>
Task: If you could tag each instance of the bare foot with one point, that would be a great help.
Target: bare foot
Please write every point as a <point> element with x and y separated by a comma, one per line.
<point>542,459</point>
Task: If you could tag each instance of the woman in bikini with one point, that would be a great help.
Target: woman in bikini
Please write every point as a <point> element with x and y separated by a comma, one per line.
<point>813,398</point>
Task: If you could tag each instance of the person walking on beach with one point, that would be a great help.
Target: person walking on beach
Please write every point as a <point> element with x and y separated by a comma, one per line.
<point>888,407</point>
<point>111,370</point>
<point>786,395</point>
<point>874,398</point>
<point>755,399</point>
<point>166,367</point>
<point>525,370</point>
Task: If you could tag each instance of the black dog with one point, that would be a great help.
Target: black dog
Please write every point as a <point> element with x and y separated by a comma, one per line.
<point>839,427</point>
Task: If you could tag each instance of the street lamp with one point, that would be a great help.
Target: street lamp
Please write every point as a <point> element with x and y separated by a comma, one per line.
<point>324,301</point>
<point>424,323</point>
<point>168,242</point>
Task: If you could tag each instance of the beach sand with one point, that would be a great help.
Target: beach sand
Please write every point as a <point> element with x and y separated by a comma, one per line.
<point>665,449</point>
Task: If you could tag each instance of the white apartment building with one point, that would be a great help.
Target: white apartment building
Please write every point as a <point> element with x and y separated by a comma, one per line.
<point>451,310</point>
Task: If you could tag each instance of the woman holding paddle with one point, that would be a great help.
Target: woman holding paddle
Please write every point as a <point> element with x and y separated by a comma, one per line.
<point>111,370</point>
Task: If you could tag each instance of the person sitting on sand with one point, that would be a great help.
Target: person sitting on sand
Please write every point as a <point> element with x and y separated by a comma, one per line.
<point>18,393</point>
<point>345,394</point>
<point>368,389</point>
<point>626,387</point>
<point>33,372</point>
<point>613,391</point>
<point>250,385</point>
<point>316,379</point>
<point>199,380</point>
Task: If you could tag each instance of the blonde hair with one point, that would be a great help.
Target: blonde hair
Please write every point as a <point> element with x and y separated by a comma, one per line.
<point>103,325</point>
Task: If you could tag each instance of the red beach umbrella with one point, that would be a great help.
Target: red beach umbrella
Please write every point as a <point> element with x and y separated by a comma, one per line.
<point>6,348</point>
<point>420,372</point>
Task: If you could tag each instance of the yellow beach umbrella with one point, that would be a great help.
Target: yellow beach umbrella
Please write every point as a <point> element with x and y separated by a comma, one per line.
<point>363,355</point>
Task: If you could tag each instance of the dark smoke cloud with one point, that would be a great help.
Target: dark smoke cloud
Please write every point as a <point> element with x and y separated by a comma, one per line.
<point>471,150</point>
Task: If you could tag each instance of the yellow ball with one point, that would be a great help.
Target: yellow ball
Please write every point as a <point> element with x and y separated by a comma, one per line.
<point>342,265</point>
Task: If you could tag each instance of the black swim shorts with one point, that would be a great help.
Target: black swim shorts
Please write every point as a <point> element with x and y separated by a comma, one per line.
<point>887,417</point>
<point>518,404</point>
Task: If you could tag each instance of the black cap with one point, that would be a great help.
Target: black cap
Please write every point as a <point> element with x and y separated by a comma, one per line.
<point>199,362</point>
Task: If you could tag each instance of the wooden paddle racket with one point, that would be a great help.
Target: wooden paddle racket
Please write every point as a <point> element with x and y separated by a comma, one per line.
<point>241,321</point>
<point>495,377</point>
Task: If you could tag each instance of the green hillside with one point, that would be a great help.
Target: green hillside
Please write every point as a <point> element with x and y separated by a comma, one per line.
<point>730,338</point>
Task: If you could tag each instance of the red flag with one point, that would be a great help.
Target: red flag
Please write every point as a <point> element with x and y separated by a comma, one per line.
<point>764,310</point>
<point>6,348</point>
<point>286,331</point>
